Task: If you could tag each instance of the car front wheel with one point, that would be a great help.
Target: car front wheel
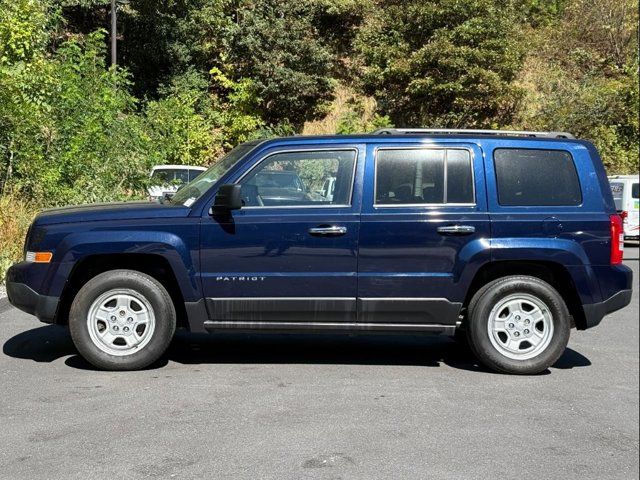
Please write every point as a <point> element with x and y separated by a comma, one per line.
<point>122,320</point>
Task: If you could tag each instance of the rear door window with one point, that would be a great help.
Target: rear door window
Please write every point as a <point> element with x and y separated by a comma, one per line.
<point>527,177</point>
<point>421,176</point>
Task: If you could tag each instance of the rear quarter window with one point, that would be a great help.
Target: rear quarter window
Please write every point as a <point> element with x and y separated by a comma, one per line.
<point>527,177</point>
<point>617,190</point>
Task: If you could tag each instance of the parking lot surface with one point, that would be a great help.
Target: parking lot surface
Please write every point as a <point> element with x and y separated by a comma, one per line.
<point>326,407</point>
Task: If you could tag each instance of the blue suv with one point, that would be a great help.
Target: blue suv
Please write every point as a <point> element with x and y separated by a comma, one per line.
<point>506,239</point>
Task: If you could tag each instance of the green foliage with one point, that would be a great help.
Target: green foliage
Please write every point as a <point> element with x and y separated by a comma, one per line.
<point>276,44</point>
<point>73,135</point>
<point>23,29</point>
<point>15,217</point>
<point>445,63</point>
<point>356,120</point>
<point>582,76</point>
<point>180,123</point>
<point>199,76</point>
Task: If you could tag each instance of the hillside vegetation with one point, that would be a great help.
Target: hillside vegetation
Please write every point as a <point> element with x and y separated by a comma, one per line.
<point>195,77</point>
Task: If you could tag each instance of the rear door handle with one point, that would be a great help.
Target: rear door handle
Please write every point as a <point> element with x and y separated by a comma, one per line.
<point>457,230</point>
<point>328,231</point>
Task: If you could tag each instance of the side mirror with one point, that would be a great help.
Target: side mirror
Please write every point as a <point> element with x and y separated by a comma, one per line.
<point>228,198</point>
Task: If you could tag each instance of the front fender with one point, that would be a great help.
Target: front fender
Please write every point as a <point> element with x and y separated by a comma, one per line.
<point>77,246</point>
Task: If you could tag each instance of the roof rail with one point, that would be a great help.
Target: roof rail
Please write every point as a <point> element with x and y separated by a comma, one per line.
<point>463,131</point>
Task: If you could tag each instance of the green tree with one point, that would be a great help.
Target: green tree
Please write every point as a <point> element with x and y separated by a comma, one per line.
<point>71,132</point>
<point>276,45</point>
<point>445,63</point>
<point>581,75</point>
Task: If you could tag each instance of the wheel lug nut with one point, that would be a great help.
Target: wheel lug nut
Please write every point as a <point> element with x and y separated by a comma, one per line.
<point>527,321</point>
<point>517,317</point>
<point>517,334</point>
<point>116,328</point>
<point>126,329</point>
<point>122,312</point>
<point>511,325</point>
<point>113,318</point>
<point>526,332</point>
<point>129,319</point>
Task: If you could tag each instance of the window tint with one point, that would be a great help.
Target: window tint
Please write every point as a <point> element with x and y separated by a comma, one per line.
<point>193,174</point>
<point>536,178</point>
<point>299,178</point>
<point>635,190</point>
<point>417,176</point>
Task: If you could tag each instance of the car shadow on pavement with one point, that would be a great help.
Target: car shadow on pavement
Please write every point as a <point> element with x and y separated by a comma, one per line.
<point>51,342</point>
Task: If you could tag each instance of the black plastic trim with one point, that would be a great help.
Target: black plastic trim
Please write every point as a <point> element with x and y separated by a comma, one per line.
<point>595,312</point>
<point>196,315</point>
<point>438,311</point>
<point>28,300</point>
<point>436,315</point>
<point>277,309</point>
<point>327,327</point>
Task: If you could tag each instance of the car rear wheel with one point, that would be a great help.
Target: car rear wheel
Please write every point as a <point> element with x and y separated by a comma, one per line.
<point>518,324</point>
<point>122,320</point>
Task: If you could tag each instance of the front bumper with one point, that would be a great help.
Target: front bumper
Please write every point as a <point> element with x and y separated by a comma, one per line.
<point>595,312</point>
<point>25,298</point>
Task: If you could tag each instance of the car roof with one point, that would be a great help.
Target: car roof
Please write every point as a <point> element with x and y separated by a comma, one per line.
<point>407,137</point>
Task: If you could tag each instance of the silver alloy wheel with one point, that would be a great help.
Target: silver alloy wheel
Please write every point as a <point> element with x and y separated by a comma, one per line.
<point>121,322</point>
<point>520,326</point>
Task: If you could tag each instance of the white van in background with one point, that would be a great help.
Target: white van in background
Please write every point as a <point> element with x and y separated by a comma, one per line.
<point>166,179</point>
<point>625,194</point>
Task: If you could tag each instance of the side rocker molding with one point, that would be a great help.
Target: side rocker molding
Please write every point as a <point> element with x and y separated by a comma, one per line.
<point>428,315</point>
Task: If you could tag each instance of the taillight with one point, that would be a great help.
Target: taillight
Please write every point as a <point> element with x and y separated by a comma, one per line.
<point>617,239</point>
<point>623,215</point>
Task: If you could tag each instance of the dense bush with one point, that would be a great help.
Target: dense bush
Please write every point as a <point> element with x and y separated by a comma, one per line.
<point>15,218</point>
<point>198,76</point>
<point>581,75</point>
<point>445,63</point>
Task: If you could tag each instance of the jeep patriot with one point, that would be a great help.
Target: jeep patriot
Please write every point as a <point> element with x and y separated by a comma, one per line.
<point>505,239</point>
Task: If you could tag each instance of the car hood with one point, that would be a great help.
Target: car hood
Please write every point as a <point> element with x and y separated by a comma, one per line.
<point>110,211</point>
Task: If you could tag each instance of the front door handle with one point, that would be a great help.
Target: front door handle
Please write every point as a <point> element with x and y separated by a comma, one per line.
<point>328,231</point>
<point>457,230</point>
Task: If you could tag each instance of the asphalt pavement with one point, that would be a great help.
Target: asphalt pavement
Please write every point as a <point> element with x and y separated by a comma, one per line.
<point>318,407</point>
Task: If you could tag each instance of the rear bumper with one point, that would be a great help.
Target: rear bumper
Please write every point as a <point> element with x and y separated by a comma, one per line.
<point>595,312</point>
<point>22,296</point>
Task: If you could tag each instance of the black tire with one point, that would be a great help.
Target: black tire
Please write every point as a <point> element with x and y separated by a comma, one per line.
<point>144,285</point>
<point>489,296</point>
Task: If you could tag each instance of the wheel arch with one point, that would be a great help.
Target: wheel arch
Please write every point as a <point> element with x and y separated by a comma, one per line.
<point>555,274</point>
<point>154,265</point>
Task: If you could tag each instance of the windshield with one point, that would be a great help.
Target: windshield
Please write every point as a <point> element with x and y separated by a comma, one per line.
<point>195,189</point>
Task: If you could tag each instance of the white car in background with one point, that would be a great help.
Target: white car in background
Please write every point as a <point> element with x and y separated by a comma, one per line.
<point>625,193</point>
<point>166,179</point>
